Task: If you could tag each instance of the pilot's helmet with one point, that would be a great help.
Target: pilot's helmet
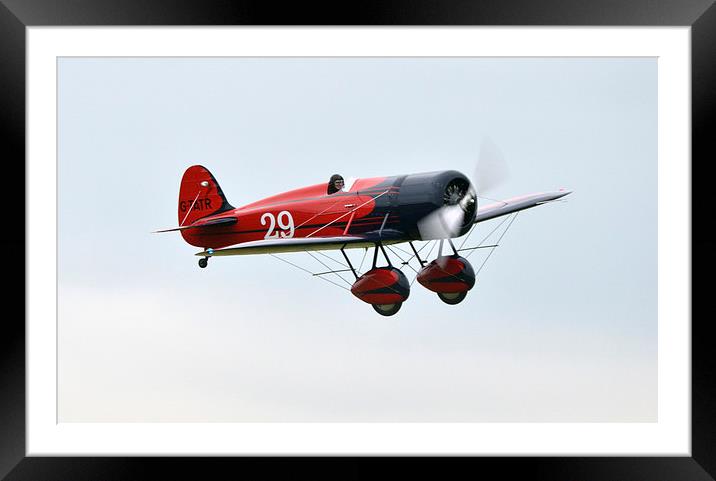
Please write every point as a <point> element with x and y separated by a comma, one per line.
<point>332,187</point>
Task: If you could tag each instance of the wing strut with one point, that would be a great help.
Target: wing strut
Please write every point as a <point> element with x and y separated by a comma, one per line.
<point>422,262</point>
<point>382,249</point>
<point>348,260</point>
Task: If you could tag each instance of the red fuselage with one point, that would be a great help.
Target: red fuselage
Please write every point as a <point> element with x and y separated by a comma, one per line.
<point>299,213</point>
<point>377,207</point>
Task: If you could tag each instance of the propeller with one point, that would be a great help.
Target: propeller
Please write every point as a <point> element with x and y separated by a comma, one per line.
<point>491,170</point>
<point>460,196</point>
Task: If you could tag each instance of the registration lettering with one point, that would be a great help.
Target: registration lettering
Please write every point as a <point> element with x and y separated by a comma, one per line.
<point>200,204</point>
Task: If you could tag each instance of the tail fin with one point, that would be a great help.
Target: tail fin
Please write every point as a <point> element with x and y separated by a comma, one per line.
<point>200,195</point>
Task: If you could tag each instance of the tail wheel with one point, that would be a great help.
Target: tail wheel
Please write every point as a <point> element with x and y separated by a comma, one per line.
<point>387,309</point>
<point>452,298</point>
<point>203,262</point>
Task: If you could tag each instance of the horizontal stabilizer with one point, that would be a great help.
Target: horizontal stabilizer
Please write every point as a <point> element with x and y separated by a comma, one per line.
<point>224,221</point>
<point>516,204</point>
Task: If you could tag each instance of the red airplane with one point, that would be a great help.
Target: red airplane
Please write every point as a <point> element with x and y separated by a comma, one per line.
<point>368,213</point>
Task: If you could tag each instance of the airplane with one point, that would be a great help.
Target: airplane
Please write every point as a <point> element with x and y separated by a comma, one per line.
<point>364,213</point>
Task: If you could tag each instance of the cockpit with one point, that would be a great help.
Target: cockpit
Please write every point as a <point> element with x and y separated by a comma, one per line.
<point>335,184</point>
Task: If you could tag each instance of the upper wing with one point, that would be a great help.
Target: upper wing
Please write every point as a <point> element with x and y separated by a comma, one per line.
<point>516,204</point>
<point>278,246</point>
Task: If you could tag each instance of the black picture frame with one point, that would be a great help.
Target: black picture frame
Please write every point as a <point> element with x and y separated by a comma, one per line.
<point>16,15</point>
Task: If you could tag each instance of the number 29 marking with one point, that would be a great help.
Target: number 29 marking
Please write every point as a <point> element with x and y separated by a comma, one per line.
<point>285,223</point>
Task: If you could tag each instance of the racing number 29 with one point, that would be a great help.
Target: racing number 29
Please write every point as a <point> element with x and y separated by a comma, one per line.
<point>284,221</point>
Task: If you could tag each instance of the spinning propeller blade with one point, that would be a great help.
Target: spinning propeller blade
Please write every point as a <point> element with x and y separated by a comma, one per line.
<point>460,197</point>
<point>491,170</point>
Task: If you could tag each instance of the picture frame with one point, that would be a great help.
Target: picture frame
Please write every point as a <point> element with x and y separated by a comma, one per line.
<point>16,16</point>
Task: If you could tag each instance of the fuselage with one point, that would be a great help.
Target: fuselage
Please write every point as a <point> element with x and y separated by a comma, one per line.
<point>390,206</point>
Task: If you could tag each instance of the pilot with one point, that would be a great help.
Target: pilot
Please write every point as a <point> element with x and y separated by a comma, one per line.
<point>335,184</point>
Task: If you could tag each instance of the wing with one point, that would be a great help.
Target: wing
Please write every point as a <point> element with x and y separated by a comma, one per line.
<point>516,204</point>
<point>278,246</point>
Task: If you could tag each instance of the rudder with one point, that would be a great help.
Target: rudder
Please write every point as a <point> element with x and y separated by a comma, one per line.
<point>200,195</point>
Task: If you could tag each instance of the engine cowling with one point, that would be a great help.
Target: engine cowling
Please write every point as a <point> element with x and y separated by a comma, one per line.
<point>448,192</point>
<point>447,274</point>
<point>382,285</point>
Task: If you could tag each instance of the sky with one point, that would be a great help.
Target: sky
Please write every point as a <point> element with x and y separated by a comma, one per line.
<point>561,325</point>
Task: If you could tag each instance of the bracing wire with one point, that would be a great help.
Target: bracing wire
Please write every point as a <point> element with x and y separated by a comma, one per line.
<point>404,252</point>
<point>306,270</point>
<point>401,259</point>
<point>395,253</point>
<point>493,200</point>
<point>365,253</point>
<point>328,267</point>
<point>331,258</point>
<point>435,242</point>
<point>423,247</point>
<point>498,241</point>
<point>412,255</point>
<point>488,235</point>
<point>472,229</point>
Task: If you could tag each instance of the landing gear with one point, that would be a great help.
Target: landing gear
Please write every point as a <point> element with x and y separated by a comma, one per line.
<point>452,298</point>
<point>387,309</point>
<point>384,288</point>
<point>203,262</point>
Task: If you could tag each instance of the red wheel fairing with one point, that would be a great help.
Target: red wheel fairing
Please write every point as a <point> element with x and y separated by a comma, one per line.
<point>382,285</point>
<point>447,274</point>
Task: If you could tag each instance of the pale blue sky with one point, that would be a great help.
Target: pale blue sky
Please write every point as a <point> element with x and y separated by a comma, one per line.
<point>561,325</point>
